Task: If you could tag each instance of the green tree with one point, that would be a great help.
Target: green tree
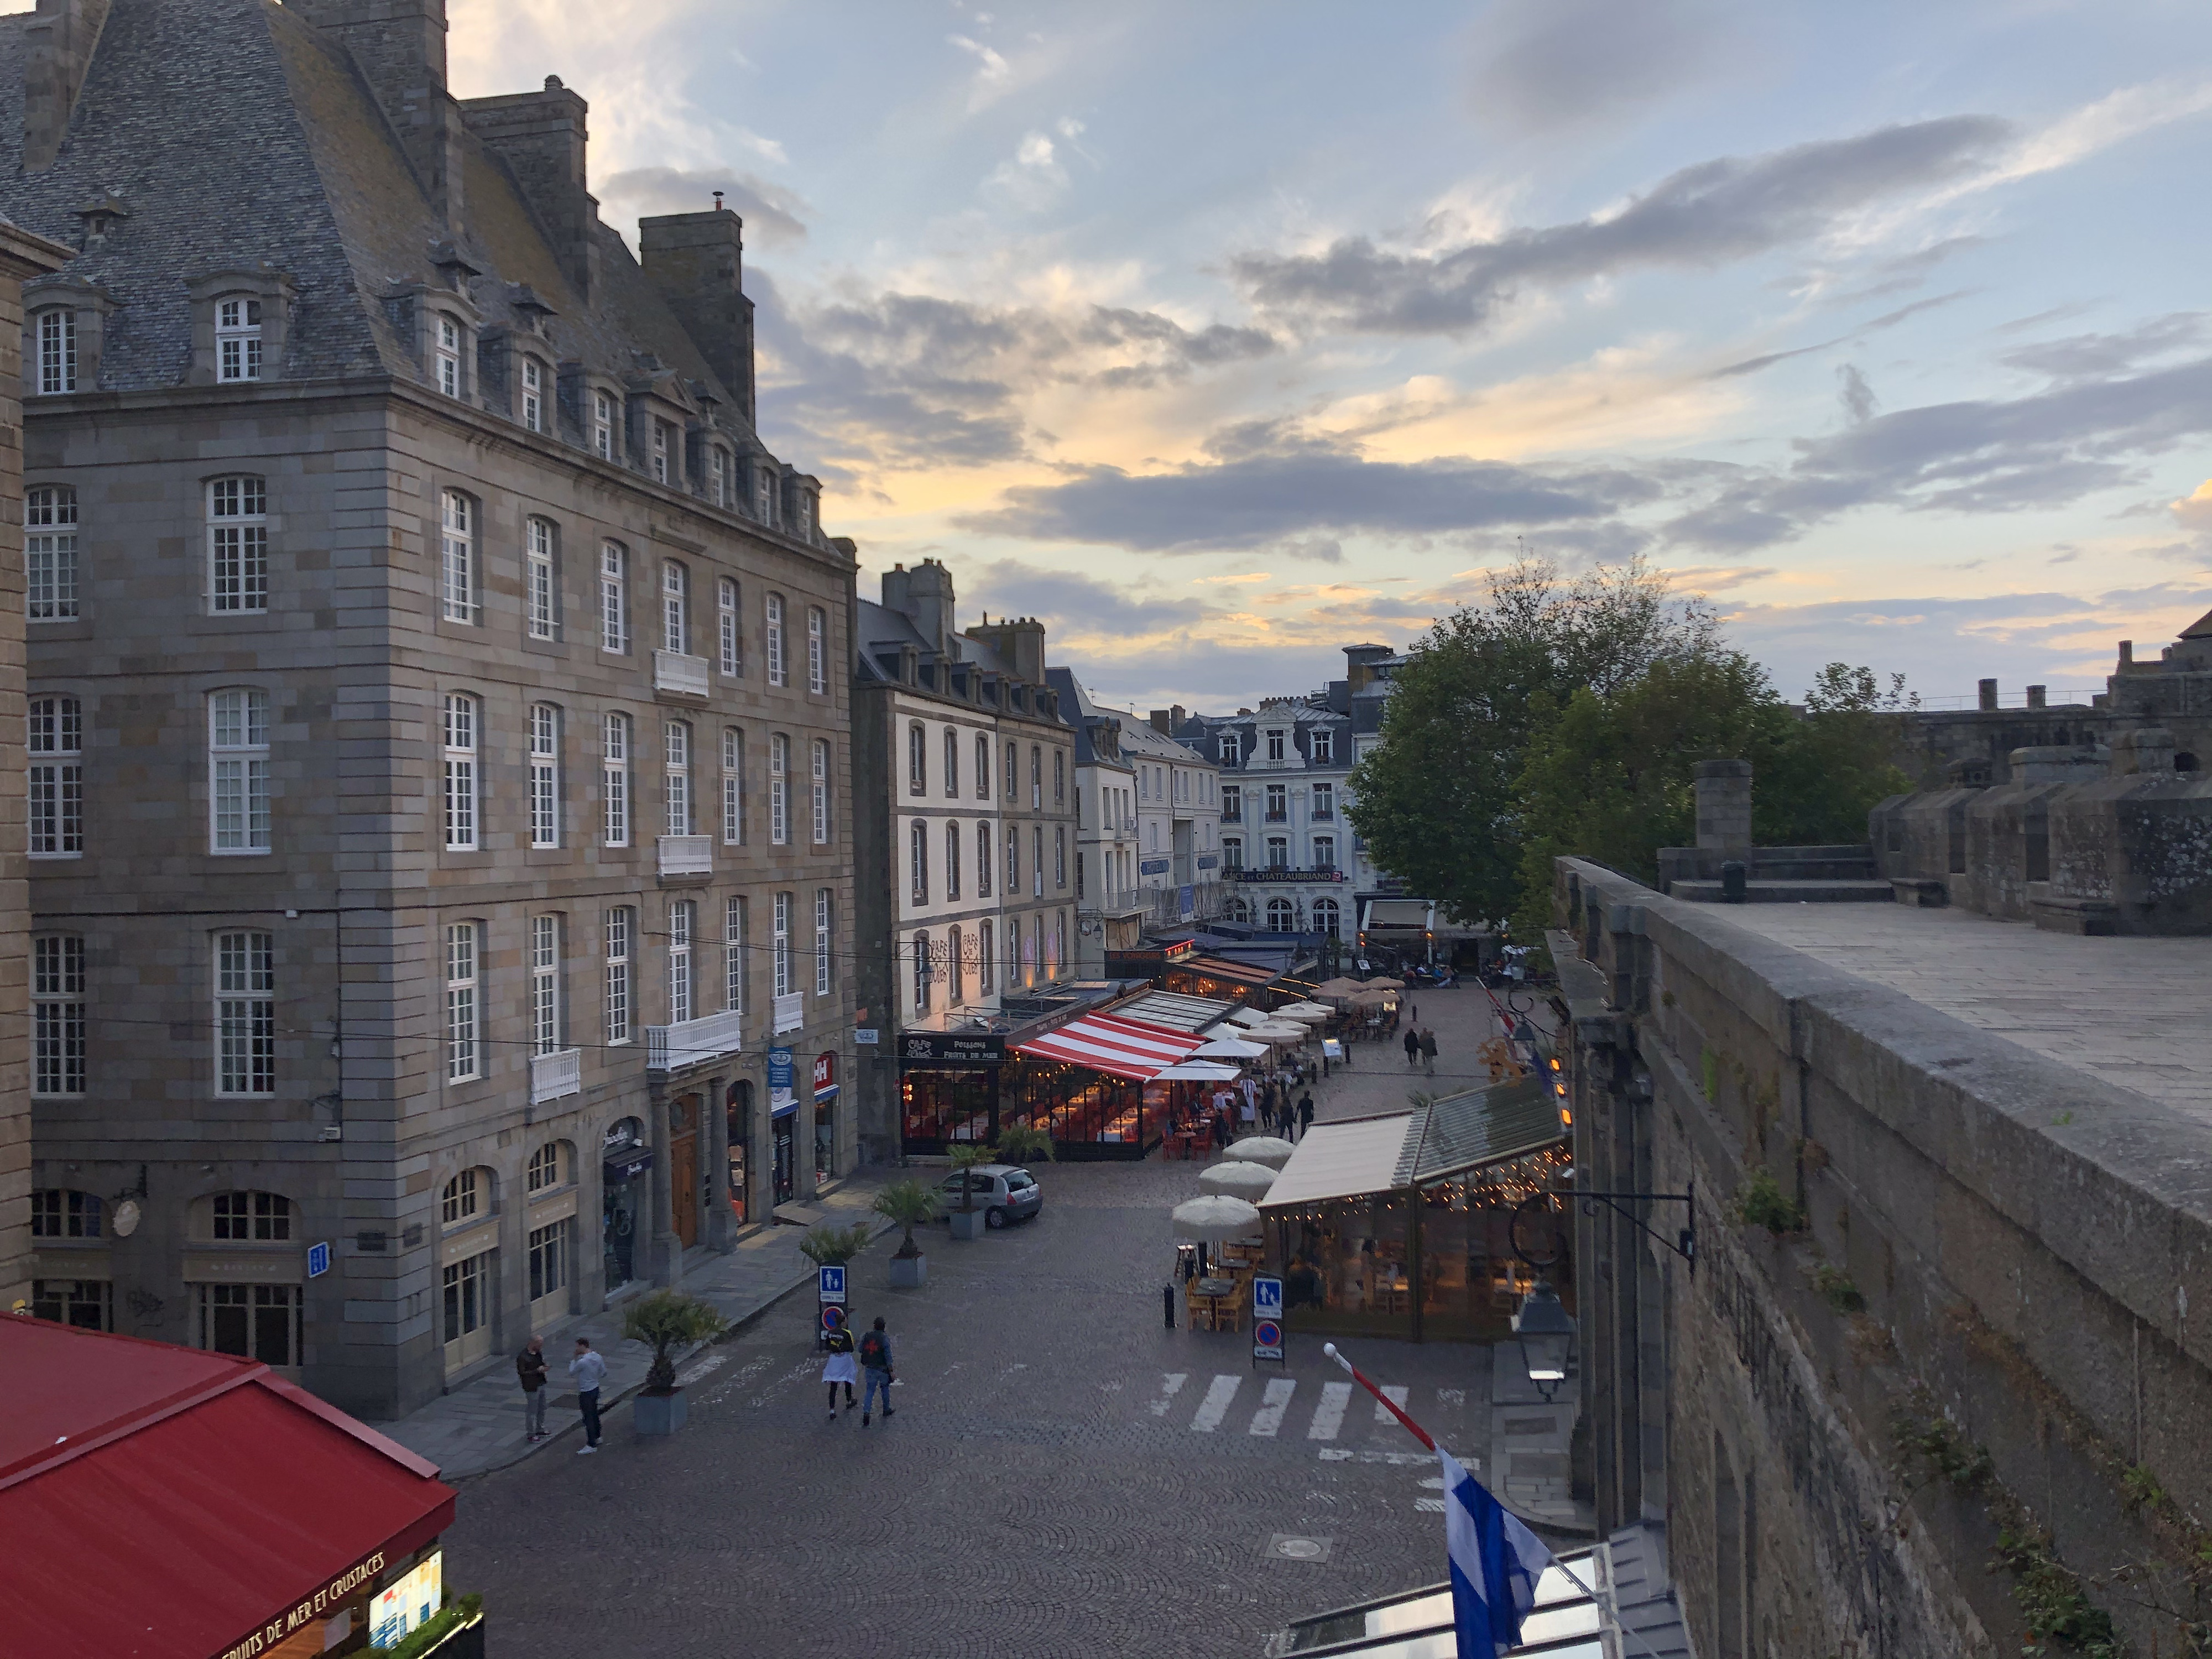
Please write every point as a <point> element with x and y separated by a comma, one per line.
<point>1436,800</point>
<point>908,1203</point>
<point>668,1319</point>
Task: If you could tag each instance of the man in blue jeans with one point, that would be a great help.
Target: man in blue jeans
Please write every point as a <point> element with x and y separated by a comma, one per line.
<point>589,1371</point>
<point>876,1361</point>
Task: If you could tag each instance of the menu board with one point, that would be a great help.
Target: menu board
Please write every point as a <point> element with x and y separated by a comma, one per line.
<point>407,1601</point>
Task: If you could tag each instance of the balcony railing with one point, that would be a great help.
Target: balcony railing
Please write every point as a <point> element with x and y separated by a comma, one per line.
<point>671,1047</point>
<point>1279,815</point>
<point>687,855</point>
<point>790,1011</point>
<point>1323,813</point>
<point>689,677</point>
<point>1232,815</point>
<point>556,1076</point>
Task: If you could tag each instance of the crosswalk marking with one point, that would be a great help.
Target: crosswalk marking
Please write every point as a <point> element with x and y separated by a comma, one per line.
<point>1272,1405</point>
<point>1170,1385</point>
<point>1395,1393</point>
<point>1329,1417</point>
<point>1215,1406</point>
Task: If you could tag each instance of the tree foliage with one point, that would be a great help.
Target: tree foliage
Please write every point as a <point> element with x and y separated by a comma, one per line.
<point>908,1203</point>
<point>668,1319</point>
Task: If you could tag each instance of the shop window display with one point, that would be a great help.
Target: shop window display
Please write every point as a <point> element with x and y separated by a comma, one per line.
<point>622,1202</point>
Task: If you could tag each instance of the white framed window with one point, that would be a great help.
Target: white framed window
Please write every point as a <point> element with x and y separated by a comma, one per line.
<point>778,790</point>
<point>1322,742</point>
<point>1275,745</point>
<point>549,1258</point>
<point>1060,777</point>
<point>238,339</point>
<point>464,1009</point>
<point>543,599</point>
<point>461,720</point>
<point>984,957</point>
<point>1013,773</point>
<point>1232,853</point>
<point>544,994</point>
<point>237,771</point>
<point>718,475</point>
<point>922,973</point>
<point>680,914</point>
<point>983,860</point>
<point>1013,861</point>
<point>817,649</point>
<point>544,775</point>
<point>547,1169</point>
<point>1036,778</point>
<point>822,918</point>
<point>614,597</point>
<point>244,1013</point>
<point>729,633</point>
<point>819,785</point>
<point>982,767</point>
<point>661,453</point>
<point>534,394</point>
<point>675,608</point>
<point>614,778</point>
<point>603,426</point>
<point>1060,856</point>
<point>737,937</point>
<point>456,545</point>
<point>58,1045</point>
<point>917,759</point>
<point>238,545</point>
<point>1278,853</point>
<point>1324,852</point>
<point>448,355</point>
<point>618,943</point>
<point>1232,748</point>
<point>951,762</point>
<point>781,943</point>
<point>734,787</point>
<point>952,861</point>
<point>54,738</point>
<point>804,500</point>
<point>765,495</point>
<point>777,673</point>
<point>56,352</point>
<point>1036,861</point>
<point>677,759</point>
<point>918,861</point>
<point>50,553</point>
<point>1324,801</point>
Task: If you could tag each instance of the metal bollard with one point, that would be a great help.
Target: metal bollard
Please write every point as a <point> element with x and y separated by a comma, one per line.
<point>1733,876</point>
<point>1167,1304</point>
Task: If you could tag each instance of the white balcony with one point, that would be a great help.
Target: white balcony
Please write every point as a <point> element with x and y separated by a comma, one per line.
<point>556,1076</point>
<point>688,1042</point>
<point>688,677</point>
<point>687,855</point>
<point>790,1012</point>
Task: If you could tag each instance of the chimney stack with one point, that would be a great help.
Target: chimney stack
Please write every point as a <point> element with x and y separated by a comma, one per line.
<point>923,596</point>
<point>1019,641</point>
<point>696,260</point>
<point>60,41</point>
<point>2127,654</point>
<point>2038,696</point>
<point>400,47</point>
<point>540,136</point>
<point>1989,689</point>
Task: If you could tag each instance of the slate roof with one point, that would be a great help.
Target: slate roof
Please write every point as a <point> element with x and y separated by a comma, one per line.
<point>1087,717</point>
<point>237,134</point>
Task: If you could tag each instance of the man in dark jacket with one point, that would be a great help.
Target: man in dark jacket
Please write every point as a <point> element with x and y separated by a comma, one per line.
<point>529,1366</point>
<point>1413,1045</point>
<point>876,1361</point>
<point>1305,1113</point>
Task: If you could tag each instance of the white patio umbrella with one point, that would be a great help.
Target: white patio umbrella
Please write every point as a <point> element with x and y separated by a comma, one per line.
<point>1199,1071</point>
<point>1229,1048</point>
<point>1385,982</point>
<point>1303,1011</point>
<point>1248,1017</point>
<point>1238,1179</point>
<point>1215,1220</point>
<point>1281,1035</point>
<point>1263,1149</point>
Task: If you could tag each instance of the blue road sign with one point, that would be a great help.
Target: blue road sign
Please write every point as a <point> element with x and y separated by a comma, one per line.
<point>833,1316</point>
<point>1267,1342</point>
<point>1266,1298</point>
<point>833,1285</point>
<point>318,1261</point>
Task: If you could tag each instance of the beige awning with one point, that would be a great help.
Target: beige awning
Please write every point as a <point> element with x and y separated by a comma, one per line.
<point>1343,1160</point>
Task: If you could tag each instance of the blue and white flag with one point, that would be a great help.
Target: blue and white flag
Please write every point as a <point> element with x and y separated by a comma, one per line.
<point>1495,1564</point>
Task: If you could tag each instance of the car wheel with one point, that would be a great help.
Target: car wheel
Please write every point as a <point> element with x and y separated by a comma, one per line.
<point>994,1218</point>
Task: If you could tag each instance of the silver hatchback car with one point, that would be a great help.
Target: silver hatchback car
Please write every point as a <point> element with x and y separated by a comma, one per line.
<point>1001,1191</point>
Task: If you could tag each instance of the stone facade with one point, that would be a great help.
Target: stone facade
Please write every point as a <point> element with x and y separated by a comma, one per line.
<point>464,731</point>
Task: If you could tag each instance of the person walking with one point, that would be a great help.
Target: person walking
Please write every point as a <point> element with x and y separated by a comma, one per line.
<point>876,1357</point>
<point>590,1371</point>
<point>1413,1045</point>
<point>529,1366</point>
<point>1428,1051</point>
<point>839,1368</point>
<point>1305,1114</point>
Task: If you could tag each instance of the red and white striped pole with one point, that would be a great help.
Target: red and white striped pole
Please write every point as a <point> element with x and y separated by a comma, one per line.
<point>1382,1398</point>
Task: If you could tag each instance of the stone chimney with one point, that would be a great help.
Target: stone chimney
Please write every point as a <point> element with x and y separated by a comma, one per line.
<point>2127,654</point>
<point>696,261</point>
<point>2039,696</point>
<point>1988,699</point>
<point>61,38</point>
<point>1723,788</point>
<point>1019,640</point>
<point>923,596</point>
<point>1164,720</point>
<point>540,136</point>
<point>400,48</point>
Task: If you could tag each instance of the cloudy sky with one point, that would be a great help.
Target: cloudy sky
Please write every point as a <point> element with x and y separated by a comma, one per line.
<point>1220,337</point>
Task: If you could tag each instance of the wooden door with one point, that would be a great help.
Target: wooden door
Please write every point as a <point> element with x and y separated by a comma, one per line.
<point>683,1183</point>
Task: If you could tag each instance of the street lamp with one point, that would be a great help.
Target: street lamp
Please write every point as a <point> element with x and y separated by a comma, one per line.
<point>1548,1337</point>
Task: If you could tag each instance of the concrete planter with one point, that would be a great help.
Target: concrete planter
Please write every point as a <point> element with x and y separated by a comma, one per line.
<point>659,1414</point>
<point>967,1224</point>
<point>909,1273</point>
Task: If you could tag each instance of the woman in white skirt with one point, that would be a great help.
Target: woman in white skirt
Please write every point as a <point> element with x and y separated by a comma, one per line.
<point>842,1368</point>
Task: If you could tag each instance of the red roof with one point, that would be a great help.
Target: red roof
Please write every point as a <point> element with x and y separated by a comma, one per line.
<point>161,1503</point>
<point>1120,1047</point>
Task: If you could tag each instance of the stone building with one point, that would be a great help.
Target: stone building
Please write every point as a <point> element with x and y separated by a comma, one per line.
<point>21,255</point>
<point>964,788</point>
<point>1111,910</point>
<point>437,704</point>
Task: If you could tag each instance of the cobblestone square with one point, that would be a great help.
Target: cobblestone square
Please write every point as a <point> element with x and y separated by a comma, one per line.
<point>1064,1475</point>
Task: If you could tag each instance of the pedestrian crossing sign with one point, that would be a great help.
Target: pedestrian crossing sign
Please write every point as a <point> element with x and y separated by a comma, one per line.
<point>832,1284</point>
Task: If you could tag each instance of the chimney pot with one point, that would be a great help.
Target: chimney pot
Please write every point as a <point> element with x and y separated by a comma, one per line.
<point>2038,696</point>
<point>1989,695</point>
<point>2127,654</point>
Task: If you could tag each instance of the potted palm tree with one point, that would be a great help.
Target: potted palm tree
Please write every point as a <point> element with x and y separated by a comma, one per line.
<point>829,1246</point>
<point>909,1204</point>
<point>1020,1143</point>
<point>666,1320</point>
<point>968,1220</point>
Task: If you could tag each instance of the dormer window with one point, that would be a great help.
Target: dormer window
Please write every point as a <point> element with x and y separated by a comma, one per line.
<point>534,394</point>
<point>806,503</point>
<point>56,352</point>
<point>764,496</point>
<point>1232,749</point>
<point>1323,744</point>
<point>718,476</point>
<point>238,340</point>
<point>603,426</point>
<point>660,452</point>
<point>1275,745</point>
<point>449,356</point>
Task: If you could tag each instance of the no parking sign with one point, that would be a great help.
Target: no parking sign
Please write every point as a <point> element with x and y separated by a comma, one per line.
<point>1267,1321</point>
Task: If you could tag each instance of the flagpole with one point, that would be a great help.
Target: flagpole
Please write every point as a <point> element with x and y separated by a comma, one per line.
<point>1428,1440</point>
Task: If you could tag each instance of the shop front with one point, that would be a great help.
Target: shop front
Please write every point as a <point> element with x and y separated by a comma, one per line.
<point>625,1200</point>
<point>949,1088</point>
<point>737,1107</point>
<point>783,1122</point>
<point>825,1118</point>
<point>128,1532</point>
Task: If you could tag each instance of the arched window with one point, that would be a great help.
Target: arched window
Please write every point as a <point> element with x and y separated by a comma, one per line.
<point>614,597</point>
<point>982,767</point>
<point>456,569</point>
<point>1014,772</point>
<point>603,426</point>
<point>544,986</point>
<point>952,860</point>
<point>683,916</point>
<point>57,351</point>
<point>1282,917</point>
<point>59,1212</point>
<point>1326,917</point>
<point>922,973</point>
<point>1036,861</point>
<point>986,962</point>
<point>49,552</point>
<point>449,356</point>
<point>238,545</point>
<point>1059,776</point>
<point>237,771</point>
<point>533,395</point>
<point>460,735</point>
<point>824,919</point>
<point>917,760</point>
<point>675,608</point>
<point>54,736</point>
<point>1013,861</point>
<point>779,945</point>
<point>467,1198</point>
<point>919,856</point>
<point>238,339</point>
<point>951,763</point>
<point>250,1217</point>
<point>1060,856</point>
<point>956,970</point>
<point>983,859</point>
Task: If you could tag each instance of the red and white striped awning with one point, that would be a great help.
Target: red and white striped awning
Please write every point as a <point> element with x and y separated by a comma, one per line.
<point>1120,1047</point>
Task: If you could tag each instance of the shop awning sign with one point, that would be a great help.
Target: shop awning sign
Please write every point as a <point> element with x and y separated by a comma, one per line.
<point>779,1081</point>
<point>825,1077</point>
